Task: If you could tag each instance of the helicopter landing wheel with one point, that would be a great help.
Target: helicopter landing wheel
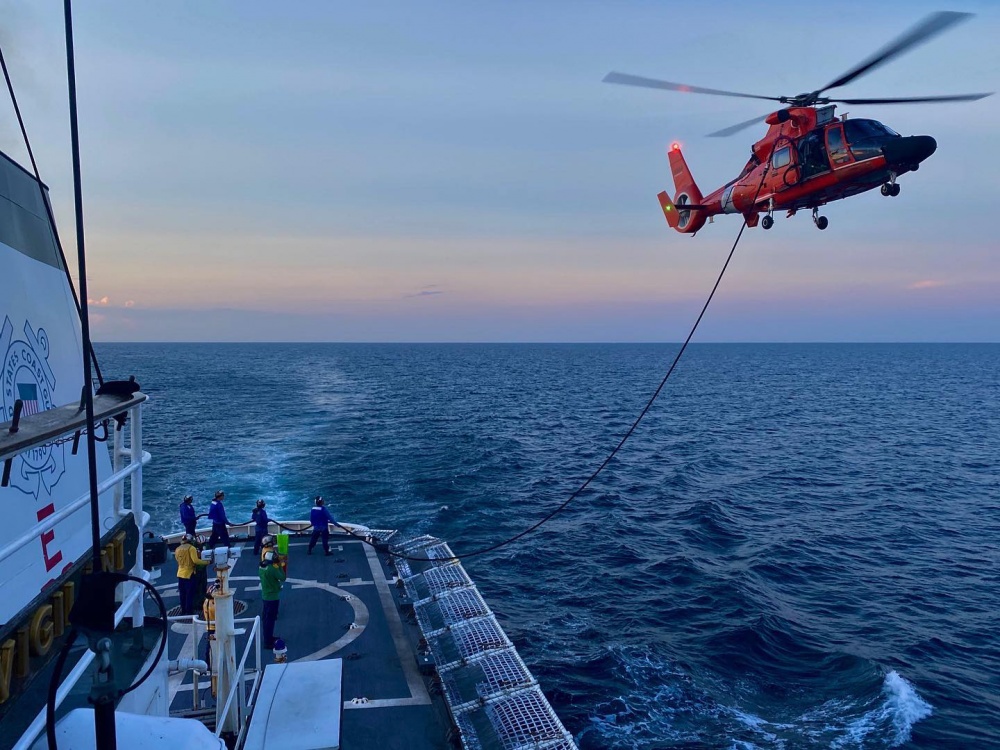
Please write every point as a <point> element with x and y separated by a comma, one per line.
<point>767,222</point>
<point>894,190</point>
<point>886,189</point>
<point>822,222</point>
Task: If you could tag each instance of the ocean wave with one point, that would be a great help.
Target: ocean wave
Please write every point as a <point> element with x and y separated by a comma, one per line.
<point>663,704</point>
<point>890,720</point>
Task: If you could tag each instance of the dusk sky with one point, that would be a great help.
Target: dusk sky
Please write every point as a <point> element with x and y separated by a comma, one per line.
<point>445,171</point>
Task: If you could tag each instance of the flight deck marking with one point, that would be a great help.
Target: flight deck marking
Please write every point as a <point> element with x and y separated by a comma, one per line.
<point>189,646</point>
<point>360,618</point>
<point>388,703</point>
<point>418,692</point>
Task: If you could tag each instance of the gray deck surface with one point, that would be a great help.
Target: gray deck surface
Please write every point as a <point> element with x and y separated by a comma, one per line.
<point>402,711</point>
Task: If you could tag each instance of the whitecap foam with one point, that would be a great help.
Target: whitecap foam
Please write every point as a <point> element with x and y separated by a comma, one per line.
<point>663,702</point>
<point>900,709</point>
<point>905,705</point>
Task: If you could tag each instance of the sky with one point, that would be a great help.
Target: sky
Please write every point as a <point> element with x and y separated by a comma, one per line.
<point>446,171</point>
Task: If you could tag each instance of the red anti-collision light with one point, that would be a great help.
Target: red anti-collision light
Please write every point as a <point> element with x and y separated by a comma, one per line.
<point>675,146</point>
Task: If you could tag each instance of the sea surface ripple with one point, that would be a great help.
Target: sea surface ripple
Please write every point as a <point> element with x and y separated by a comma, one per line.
<point>798,547</point>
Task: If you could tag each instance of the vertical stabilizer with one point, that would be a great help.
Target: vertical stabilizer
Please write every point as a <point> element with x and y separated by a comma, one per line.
<point>686,192</point>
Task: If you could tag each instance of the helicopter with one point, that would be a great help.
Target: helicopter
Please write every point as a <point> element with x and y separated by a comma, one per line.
<point>809,156</point>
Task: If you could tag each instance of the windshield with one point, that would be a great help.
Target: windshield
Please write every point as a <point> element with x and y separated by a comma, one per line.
<point>866,128</point>
<point>866,137</point>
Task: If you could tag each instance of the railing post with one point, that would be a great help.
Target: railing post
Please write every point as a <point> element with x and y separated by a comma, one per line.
<point>135,484</point>
<point>225,666</point>
<point>117,462</point>
<point>195,689</point>
<point>256,638</point>
<point>196,635</point>
<point>242,691</point>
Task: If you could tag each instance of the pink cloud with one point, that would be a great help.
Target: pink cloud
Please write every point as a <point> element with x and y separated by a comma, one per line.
<point>926,284</point>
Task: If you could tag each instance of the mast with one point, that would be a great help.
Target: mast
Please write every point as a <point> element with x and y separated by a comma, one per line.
<point>103,694</point>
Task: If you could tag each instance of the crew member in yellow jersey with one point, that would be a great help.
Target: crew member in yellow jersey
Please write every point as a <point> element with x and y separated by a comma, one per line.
<point>188,560</point>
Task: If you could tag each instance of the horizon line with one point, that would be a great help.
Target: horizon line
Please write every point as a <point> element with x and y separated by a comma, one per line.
<point>556,343</point>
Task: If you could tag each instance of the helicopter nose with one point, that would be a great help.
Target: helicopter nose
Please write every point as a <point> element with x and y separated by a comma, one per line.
<point>909,151</point>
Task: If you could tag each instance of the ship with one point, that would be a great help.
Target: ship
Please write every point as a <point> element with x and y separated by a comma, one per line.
<point>383,643</point>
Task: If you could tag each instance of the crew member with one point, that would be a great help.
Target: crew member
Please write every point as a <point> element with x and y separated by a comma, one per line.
<point>260,521</point>
<point>220,524</point>
<point>321,519</point>
<point>271,577</point>
<point>267,545</point>
<point>188,561</point>
<point>188,515</point>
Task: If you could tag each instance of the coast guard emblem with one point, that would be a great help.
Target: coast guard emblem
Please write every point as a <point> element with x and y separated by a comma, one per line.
<point>26,375</point>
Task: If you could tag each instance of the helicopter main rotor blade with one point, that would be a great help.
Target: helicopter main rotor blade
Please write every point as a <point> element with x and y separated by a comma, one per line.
<point>653,83</point>
<point>931,26</point>
<point>917,99</point>
<point>737,128</point>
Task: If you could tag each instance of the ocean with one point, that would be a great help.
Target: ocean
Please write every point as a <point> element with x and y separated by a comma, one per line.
<point>797,548</point>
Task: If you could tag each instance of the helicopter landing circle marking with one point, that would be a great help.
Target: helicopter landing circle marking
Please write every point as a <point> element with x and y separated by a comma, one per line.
<point>361,615</point>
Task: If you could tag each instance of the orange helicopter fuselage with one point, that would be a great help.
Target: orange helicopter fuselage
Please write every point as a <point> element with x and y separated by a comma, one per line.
<point>808,158</point>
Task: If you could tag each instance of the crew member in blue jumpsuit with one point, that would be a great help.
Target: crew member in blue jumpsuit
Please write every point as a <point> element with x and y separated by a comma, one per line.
<point>188,515</point>
<point>320,518</point>
<point>260,521</point>
<point>220,524</point>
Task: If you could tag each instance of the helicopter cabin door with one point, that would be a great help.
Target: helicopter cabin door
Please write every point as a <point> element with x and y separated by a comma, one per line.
<point>785,167</point>
<point>812,154</point>
<point>836,146</point>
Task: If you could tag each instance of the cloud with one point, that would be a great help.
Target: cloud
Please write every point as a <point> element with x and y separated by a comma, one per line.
<point>103,301</point>
<point>130,303</point>
<point>926,284</point>
<point>427,291</point>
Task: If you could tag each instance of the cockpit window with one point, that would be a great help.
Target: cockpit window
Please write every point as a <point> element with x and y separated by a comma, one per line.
<point>866,137</point>
<point>866,128</point>
<point>782,157</point>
